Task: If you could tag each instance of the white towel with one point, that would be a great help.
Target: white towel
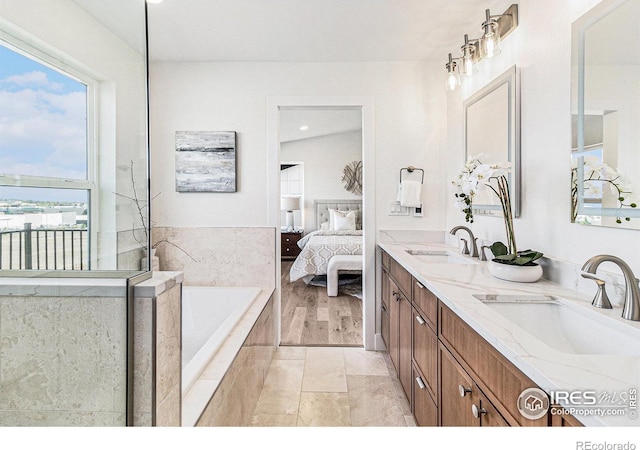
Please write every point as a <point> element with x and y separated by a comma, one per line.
<point>410,194</point>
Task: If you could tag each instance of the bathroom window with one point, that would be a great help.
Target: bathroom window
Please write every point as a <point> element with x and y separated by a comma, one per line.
<point>46,150</point>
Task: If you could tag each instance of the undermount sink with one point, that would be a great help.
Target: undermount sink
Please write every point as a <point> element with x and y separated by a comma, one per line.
<point>439,257</point>
<point>566,326</point>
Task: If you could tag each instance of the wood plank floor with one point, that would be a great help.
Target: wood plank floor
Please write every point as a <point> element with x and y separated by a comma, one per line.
<point>311,318</point>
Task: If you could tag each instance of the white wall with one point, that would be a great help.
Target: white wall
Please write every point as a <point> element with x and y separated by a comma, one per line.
<point>541,47</point>
<point>409,130</point>
<point>324,158</point>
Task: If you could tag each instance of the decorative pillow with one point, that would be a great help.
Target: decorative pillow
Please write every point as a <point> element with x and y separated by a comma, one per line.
<point>343,220</point>
<point>324,226</point>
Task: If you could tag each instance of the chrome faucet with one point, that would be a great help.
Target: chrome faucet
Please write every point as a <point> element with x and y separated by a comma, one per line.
<point>631,308</point>
<point>472,238</point>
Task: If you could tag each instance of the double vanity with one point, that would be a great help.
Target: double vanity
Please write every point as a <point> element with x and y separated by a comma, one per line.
<point>466,345</point>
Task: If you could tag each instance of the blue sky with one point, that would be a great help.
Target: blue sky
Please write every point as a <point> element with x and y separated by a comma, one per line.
<point>42,121</point>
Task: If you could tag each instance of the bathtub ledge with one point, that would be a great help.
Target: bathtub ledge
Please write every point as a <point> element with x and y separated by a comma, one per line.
<point>158,283</point>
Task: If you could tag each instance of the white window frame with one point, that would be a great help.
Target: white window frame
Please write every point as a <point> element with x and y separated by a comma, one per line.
<point>58,61</point>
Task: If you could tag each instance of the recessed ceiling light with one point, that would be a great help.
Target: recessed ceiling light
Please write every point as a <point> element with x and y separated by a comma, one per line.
<point>304,127</point>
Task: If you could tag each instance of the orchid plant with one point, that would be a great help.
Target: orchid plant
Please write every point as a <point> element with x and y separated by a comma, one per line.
<point>476,177</point>
<point>595,175</point>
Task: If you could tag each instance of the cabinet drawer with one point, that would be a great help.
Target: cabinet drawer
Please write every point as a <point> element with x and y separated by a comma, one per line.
<point>426,302</point>
<point>401,277</point>
<point>498,378</point>
<point>425,352</point>
<point>290,238</point>
<point>425,410</point>
<point>290,250</point>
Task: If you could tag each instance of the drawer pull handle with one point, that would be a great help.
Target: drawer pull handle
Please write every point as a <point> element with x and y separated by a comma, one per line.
<point>477,411</point>
<point>396,295</point>
<point>420,320</point>
<point>463,390</point>
<point>420,383</point>
<point>384,308</point>
<point>420,285</point>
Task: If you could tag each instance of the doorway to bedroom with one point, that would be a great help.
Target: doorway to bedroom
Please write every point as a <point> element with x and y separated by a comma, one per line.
<point>321,226</point>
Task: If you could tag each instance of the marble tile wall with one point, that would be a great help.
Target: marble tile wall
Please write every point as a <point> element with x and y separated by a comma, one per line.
<point>234,401</point>
<point>230,257</point>
<point>63,361</point>
<point>157,350</point>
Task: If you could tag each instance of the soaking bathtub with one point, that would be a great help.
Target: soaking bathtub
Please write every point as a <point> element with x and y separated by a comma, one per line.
<point>215,323</point>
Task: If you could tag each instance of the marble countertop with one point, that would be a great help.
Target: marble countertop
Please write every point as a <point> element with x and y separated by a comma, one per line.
<point>551,370</point>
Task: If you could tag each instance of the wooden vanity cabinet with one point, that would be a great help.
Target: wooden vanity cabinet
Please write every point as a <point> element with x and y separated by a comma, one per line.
<point>438,357</point>
<point>497,378</point>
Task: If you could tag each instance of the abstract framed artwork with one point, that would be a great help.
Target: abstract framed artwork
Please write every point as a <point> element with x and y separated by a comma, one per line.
<point>205,161</point>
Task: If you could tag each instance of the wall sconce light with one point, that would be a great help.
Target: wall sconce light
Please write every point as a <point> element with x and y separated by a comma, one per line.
<point>453,77</point>
<point>495,29</point>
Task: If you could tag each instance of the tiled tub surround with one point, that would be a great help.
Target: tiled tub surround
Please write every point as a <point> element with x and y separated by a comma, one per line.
<point>157,350</point>
<point>63,352</point>
<point>229,257</point>
<point>455,285</point>
<point>227,391</point>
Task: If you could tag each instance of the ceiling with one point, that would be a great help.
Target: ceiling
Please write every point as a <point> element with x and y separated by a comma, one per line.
<point>313,30</point>
<point>125,19</point>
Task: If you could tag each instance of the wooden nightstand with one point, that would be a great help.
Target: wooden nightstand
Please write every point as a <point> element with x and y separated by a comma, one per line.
<point>289,244</point>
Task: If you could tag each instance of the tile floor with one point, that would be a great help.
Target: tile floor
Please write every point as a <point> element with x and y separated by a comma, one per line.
<point>331,386</point>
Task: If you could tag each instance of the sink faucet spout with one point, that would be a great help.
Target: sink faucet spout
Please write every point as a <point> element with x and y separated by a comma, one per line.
<point>472,239</point>
<point>631,308</point>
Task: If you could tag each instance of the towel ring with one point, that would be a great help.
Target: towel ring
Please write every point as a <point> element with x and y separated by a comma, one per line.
<point>411,169</point>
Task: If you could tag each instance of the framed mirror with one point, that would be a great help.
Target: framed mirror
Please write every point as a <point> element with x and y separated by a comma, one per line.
<point>605,109</point>
<point>492,129</point>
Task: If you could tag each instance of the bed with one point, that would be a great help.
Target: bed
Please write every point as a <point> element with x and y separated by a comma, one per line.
<point>319,246</point>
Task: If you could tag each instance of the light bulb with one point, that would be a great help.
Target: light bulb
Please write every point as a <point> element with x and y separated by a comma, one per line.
<point>452,81</point>
<point>490,46</point>
<point>453,78</point>
<point>468,65</point>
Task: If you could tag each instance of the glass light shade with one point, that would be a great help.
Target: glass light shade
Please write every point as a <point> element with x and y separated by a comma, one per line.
<point>468,66</point>
<point>490,41</point>
<point>453,80</point>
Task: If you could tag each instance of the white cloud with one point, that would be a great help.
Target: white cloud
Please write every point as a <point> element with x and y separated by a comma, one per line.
<point>46,124</point>
<point>34,79</point>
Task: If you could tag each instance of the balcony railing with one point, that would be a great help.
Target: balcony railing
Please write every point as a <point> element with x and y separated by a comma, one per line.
<point>44,249</point>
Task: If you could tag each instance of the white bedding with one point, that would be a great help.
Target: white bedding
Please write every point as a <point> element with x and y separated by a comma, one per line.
<point>319,246</point>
